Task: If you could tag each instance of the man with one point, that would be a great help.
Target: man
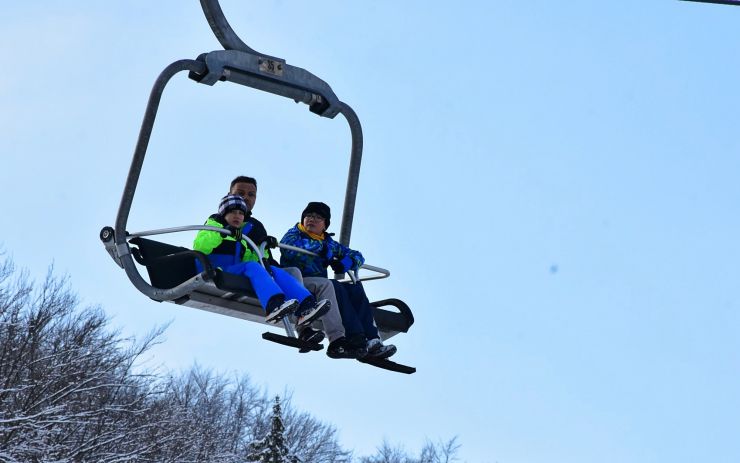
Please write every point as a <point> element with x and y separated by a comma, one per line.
<point>246,187</point>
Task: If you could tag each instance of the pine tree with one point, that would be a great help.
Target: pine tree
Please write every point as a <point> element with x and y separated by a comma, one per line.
<point>272,448</point>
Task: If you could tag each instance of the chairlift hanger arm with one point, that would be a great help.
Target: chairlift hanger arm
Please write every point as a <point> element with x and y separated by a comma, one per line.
<point>222,29</point>
<point>269,75</point>
<point>306,93</point>
<point>198,67</point>
<point>142,143</point>
<point>118,238</point>
<point>240,64</point>
<point>353,176</point>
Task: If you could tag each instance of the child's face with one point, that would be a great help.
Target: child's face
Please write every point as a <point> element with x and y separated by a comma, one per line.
<point>235,218</point>
<point>314,223</point>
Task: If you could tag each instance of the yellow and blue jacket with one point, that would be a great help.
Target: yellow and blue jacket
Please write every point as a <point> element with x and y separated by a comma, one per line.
<point>326,248</point>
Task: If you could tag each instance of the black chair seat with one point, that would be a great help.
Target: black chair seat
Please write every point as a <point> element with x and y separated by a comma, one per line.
<point>169,266</point>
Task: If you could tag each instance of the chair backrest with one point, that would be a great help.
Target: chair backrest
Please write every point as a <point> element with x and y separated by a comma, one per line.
<point>167,265</point>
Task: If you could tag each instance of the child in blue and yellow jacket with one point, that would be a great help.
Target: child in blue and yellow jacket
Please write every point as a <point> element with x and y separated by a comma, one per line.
<point>357,316</point>
<point>278,292</point>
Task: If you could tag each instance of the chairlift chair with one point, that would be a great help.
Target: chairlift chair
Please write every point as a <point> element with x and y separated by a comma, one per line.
<point>172,272</point>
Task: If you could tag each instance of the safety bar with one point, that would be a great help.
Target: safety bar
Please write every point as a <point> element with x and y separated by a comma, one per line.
<point>259,249</point>
<point>383,272</point>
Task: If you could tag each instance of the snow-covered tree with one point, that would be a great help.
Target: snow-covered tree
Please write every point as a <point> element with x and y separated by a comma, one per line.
<point>440,452</point>
<point>272,448</point>
<point>215,416</point>
<point>311,440</point>
<point>67,390</point>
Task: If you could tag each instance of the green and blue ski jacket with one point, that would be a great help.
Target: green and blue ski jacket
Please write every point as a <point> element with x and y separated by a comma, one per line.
<point>222,250</point>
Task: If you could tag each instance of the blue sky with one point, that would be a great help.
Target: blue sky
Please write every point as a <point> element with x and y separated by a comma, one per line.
<point>553,186</point>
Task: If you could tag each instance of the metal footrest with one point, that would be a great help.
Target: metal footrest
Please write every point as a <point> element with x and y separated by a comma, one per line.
<point>302,346</point>
<point>388,365</point>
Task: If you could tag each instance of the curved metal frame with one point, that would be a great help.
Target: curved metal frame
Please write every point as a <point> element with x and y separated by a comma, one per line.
<point>240,64</point>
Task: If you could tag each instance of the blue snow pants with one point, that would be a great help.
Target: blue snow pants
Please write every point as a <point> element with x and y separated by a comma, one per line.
<point>266,286</point>
<point>355,308</point>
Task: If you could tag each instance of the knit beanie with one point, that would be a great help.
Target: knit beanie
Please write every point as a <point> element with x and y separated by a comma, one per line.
<point>317,208</point>
<point>232,203</point>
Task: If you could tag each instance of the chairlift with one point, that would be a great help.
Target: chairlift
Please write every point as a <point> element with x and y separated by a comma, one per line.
<point>172,272</point>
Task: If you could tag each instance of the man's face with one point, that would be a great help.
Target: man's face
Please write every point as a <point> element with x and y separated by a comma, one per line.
<point>247,191</point>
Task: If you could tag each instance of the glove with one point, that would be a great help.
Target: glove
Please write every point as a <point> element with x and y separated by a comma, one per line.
<point>236,232</point>
<point>271,241</point>
<point>337,265</point>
